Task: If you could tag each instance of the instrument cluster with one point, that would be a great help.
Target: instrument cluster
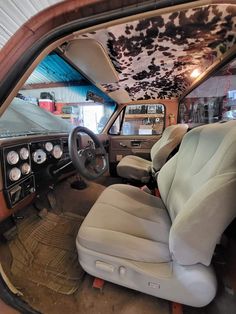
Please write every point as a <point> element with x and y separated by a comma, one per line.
<point>17,163</point>
<point>28,165</point>
<point>21,160</point>
<point>45,151</point>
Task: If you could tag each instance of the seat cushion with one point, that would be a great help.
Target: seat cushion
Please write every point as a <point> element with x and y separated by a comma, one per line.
<point>136,168</point>
<point>128,223</point>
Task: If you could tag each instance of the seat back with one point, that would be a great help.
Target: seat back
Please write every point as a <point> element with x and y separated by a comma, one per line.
<point>170,139</point>
<point>198,187</point>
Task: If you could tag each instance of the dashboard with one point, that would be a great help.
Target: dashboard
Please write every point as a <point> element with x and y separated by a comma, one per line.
<point>29,164</point>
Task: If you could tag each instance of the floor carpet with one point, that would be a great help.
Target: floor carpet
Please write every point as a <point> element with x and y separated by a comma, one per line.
<point>44,251</point>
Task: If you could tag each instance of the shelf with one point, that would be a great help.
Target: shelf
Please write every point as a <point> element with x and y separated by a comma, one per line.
<point>143,115</point>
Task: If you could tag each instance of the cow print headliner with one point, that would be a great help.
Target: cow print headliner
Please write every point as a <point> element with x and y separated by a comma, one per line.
<point>154,57</point>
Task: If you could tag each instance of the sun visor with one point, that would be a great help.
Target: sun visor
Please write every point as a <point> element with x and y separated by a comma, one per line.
<point>91,58</point>
<point>120,96</point>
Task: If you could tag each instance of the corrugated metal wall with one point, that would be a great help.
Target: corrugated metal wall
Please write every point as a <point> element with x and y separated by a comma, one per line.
<point>73,94</point>
<point>54,69</point>
<point>14,13</point>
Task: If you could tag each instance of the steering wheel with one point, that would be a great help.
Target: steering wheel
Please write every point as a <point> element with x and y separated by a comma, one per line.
<point>91,161</point>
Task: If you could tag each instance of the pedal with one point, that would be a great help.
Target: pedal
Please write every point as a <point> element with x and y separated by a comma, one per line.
<point>38,204</point>
<point>43,213</point>
<point>10,234</point>
<point>52,200</point>
<point>16,218</point>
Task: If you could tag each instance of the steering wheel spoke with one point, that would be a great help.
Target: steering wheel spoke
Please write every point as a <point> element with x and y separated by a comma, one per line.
<point>82,156</point>
<point>91,161</point>
<point>99,152</point>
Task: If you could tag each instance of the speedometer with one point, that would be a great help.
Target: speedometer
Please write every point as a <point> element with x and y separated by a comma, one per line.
<point>24,153</point>
<point>12,157</point>
<point>39,156</point>
<point>14,174</point>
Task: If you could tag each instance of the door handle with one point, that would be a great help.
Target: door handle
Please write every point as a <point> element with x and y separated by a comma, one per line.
<point>123,145</point>
<point>136,143</point>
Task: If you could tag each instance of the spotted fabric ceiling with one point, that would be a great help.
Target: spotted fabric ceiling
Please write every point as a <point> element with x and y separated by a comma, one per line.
<point>154,57</point>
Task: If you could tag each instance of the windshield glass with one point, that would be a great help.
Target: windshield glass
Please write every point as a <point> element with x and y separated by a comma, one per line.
<point>23,117</point>
<point>56,98</point>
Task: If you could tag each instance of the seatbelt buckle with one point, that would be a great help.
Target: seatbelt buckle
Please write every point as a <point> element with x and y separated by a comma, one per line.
<point>155,174</point>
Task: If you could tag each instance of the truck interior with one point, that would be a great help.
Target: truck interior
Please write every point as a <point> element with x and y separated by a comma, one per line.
<point>118,165</point>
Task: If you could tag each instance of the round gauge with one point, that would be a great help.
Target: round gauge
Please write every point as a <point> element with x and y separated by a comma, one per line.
<point>14,174</point>
<point>39,156</point>
<point>57,151</point>
<point>49,146</point>
<point>25,168</point>
<point>12,157</point>
<point>24,153</point>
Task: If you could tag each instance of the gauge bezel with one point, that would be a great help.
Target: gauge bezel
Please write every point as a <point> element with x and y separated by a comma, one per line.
<point>48,143</point>
<point>43,160</point>
<point>29,168</point>
<point>20,153</point>
<point>61,151</point>
<point>14,169</point>
<point>7,158</point>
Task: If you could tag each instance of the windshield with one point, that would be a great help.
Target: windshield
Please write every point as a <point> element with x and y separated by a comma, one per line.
<point>56,98</point>
<point>23,117</point>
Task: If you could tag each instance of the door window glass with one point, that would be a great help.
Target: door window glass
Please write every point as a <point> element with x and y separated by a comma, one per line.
<point>146,119</point>
<point>213,100</point>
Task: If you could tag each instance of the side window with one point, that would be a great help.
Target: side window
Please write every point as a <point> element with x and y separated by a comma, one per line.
<point>140,120</point>
<point>213,100</point>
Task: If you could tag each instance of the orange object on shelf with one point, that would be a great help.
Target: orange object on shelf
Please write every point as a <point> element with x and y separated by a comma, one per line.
<point>59,106</point>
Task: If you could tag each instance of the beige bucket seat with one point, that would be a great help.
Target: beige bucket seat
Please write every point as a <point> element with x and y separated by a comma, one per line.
<point>136,168</point>
<point>164,246</point>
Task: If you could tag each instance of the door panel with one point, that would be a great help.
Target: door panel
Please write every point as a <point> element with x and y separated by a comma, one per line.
<point>135,131</point>
<point>121,146</point>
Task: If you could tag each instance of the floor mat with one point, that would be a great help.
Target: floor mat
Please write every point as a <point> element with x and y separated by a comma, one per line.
<point>44,251</point>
